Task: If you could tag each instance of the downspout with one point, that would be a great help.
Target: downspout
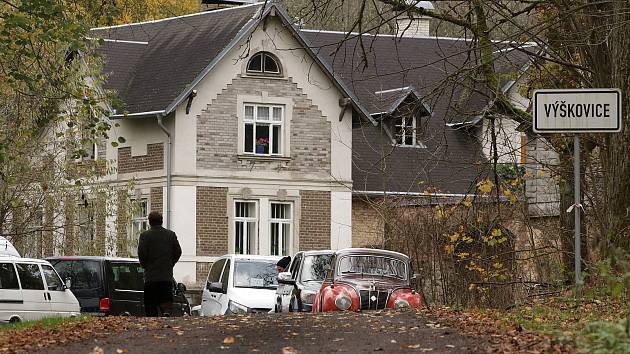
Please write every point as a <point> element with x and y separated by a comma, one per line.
<point>160,116</point>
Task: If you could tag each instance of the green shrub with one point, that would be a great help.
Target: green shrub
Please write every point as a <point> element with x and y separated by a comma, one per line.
<point>604,337</point>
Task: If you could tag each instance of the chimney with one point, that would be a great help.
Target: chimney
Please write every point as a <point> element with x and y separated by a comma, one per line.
<point>414,26</point>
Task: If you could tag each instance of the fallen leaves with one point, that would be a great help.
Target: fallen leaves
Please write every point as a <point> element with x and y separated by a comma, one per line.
<point>289,350</point>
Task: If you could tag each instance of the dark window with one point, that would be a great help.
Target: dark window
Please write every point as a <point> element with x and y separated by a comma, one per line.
<point>30,276</point>
<point>295,266</point>
<point>8,278</point>
<point>52,279</point>
<point>215,272</point>
<point>226,276</point>
<point>128,276</point>
<point>85,275</point>
<point>315,268</point>
<point>263,62</point>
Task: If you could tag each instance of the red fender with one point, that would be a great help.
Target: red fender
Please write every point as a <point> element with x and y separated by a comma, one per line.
<point>325,300</point>
<point>414,299</point>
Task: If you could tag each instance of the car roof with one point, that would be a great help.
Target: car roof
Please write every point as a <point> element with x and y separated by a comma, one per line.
<point>347,251</point>
<point>22,259</point>
<point>252,257</point>
<point>318,252</point>
<point>92,258</point>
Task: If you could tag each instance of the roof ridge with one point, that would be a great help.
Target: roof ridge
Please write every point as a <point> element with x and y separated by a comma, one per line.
<point>175,17</point>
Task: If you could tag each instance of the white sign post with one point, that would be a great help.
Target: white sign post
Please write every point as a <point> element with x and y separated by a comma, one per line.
<point>577,111</point>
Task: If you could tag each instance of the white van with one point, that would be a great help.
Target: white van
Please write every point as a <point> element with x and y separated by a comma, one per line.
<point>31,289</point>
<point>240,284</point>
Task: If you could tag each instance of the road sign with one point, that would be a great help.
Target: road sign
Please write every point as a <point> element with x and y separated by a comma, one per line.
<point>577,111</point>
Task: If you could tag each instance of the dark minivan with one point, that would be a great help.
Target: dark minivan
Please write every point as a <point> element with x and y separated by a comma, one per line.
<point>111,286</point>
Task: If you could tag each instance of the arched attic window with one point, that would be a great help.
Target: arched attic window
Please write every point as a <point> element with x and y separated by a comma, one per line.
<point>264,63</point>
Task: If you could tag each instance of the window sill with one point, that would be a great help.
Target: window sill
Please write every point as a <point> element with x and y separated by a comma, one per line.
<point>269,158</point>
<point>264,76</point>
<point>419,146</point>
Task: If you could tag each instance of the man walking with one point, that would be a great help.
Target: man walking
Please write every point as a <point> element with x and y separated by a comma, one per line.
<point>158,251</point>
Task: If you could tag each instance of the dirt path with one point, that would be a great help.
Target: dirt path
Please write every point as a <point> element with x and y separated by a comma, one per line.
<point>387,332</point>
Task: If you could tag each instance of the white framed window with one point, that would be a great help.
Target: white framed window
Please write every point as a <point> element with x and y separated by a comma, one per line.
<point>406,131</point>
<point>85,227</point>
<point>245,227</point>
<point>281,228</point>
<point>139,223</point>
<point>263,129</point>
<point>264,63</point>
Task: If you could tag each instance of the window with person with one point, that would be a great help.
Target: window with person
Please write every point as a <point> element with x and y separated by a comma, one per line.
<point>263,129</point>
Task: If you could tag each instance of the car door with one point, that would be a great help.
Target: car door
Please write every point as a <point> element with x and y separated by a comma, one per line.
<point>223,298</point>
<point>62,302</point>
<point>36,301</point>
<point>286,290</point>
<point>209,305</point>
<point>127,288</point>
<point>11,301</point>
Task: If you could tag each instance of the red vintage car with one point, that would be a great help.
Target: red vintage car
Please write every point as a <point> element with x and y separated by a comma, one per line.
<point>367,279</point>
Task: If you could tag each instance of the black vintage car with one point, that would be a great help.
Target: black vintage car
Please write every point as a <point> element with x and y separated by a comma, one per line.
<point>111,286</point>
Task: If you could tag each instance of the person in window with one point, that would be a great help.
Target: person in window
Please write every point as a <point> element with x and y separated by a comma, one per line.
<point>283,264</point>
<point>158,251</point>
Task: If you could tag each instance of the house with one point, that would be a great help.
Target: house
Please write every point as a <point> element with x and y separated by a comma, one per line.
<point>252,136</point>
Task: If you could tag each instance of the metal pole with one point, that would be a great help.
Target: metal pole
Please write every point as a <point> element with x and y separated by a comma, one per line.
<point>576,209</point>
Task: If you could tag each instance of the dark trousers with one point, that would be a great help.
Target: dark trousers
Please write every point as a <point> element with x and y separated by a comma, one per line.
<point>158,298</point>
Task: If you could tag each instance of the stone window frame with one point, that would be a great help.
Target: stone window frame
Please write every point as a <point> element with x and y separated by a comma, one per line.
<point>264,198</point>
<point>265,99</point>
<point>270,122</point>
<point>132,247</point>
<point>250,219</point>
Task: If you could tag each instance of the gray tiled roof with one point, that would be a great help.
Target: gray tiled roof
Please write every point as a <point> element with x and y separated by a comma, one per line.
<point>148,77</point>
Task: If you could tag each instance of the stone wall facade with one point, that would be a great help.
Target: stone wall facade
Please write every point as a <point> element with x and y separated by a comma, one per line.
<point>212,221</point>
<point>367,225</point>
<point>541,190</point>
<point>314,220</point>
<point>217,129</point>
<point>152,161</point>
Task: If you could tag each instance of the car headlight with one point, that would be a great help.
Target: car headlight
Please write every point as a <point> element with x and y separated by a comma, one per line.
<point>343,302</point>
<point>400,303</point>
<point>307,296</point>
<point>235,307</point>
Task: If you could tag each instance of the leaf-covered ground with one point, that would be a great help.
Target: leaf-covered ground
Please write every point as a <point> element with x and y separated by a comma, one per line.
<point>438,330</point>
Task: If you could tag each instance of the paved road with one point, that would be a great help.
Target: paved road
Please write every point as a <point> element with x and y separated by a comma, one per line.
<point>386,332</point>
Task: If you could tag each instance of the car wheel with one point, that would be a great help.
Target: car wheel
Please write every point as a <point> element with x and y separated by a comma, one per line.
<point>14,320</point>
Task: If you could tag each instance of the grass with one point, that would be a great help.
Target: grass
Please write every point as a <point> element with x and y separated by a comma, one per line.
<point>45,323</point>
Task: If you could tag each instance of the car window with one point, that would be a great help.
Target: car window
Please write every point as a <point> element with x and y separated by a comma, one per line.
<point>30,276</point>
<point>315,268</point>
<point>8,277</point>
<point>215,271</point>
<point>372,265</point>
<point>85,275</point>
<point>255,274</point>
<point>53,281</point>
<point>225,276</point>
<point>295,266</point>
<point>127,276</point>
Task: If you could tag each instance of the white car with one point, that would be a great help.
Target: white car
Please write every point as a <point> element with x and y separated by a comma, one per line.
<point>7,249</point>
<point>31,289</point>
<point>240,284</point>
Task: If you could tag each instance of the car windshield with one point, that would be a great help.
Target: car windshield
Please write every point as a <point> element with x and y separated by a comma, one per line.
<point>372,265</point>
<point>259,274</point>
<point>315,267</point>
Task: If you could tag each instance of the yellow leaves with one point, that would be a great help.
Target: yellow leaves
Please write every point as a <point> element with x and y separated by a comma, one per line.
<point>289,350</point>
<point>454,237</point>
<point>472,286</point>
<point>449,249</point>
<point>229,340</point>
<point>496,232</point>
<point>498,265</point>
<point>439,212</point>
<point>485,186</point>
<point>467,202</point>
<point>463,255</point>
<point>467,239</point>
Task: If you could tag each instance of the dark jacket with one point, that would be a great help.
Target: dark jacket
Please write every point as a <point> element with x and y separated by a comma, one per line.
<point>158,251</point>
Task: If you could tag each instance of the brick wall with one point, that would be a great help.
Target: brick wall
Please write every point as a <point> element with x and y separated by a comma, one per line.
<point>367,225</point>
<point>217,129</point>
<point>212,221</point>
<point>152,161</point>
<point>314,220</point>
<point>202,273</point>
<point>157,201</point>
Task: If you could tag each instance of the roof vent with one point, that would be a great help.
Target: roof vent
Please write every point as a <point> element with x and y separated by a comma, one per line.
<point>413,25</point>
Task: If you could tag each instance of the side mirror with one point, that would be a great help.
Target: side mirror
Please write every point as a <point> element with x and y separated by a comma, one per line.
<point>181,288</point>
<point>285,278</point>
<point>68,283</point>
<point>216,287</point>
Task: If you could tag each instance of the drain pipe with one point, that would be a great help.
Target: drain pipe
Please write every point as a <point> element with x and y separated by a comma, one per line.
<point>160,116</point>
